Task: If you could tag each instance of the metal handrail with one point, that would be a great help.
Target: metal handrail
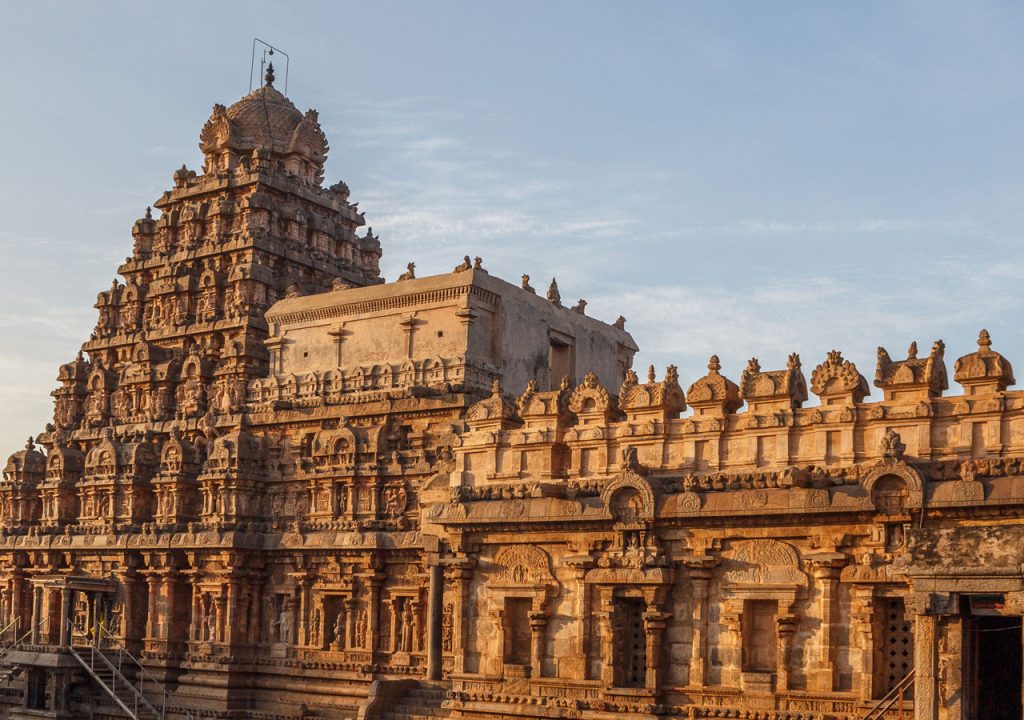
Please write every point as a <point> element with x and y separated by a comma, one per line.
<point>889,699</point>
<point>123,652</point>
<point>137,696</point>
<point>12,624</point>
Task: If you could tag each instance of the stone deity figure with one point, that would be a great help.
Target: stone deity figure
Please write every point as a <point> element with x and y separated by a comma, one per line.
<point>405,641</point>
<point>339,628</point>
<point>211,623</point>
<point>285,622</point>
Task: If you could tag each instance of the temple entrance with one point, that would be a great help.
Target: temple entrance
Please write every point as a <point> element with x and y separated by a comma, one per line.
<point>992,667</point>
<point>630,643</point>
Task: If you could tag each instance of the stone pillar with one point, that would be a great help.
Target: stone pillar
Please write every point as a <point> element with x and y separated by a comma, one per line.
<point>231,629</point>
<point>302,621</point>
<point>538,624</point>
<point>170,609</point>
<point>373,614</point>
<point>152,626</point>
<point>654,628</point>
<point>826,571</point>
<point>607,637</point>
<point>575,667</point>
<point>37,613</point>
<point>65,616</point>
<point>197,611</point>
<point>18,602</point>
<point>221,625</point>
<point>351,607</point>
<point>926,667</point>
<point>395,616</point>
<point>130,631</point>
<point>862,638</point>
<point>461,577</point>
<point>97,632</point>
<point>435,593</point>
<point>786,628</point>
<point>700,581</point>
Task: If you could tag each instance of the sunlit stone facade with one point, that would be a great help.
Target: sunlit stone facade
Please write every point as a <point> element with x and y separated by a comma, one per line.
<point>292,490</point>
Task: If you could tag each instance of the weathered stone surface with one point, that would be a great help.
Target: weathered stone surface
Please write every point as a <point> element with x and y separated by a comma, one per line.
<point>276,479</point>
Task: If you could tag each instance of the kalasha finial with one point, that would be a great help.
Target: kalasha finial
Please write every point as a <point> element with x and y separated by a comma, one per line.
<point>984,340</point>
<point>912,351</point>
<point>30,445</point>
<point>149,213</point>
<point>713,365</point>
<point>651,377</point>
<point>269,77</point>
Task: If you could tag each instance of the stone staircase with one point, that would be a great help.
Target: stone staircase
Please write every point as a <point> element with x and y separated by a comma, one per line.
<point>422,702</point>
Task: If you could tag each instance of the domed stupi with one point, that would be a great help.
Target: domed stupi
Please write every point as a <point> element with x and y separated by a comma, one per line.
<point>265,125</point>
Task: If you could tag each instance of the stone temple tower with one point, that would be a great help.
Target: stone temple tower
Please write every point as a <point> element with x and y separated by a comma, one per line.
<point>184,332</point>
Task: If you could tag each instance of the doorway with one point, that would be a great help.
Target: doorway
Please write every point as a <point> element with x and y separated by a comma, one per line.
<point>992,668</point>
<point>630,640</point>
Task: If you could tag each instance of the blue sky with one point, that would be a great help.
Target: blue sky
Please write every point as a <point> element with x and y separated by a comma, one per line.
<point>748,179</point>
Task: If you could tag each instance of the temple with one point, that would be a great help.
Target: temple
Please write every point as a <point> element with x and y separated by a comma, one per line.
<point>277,487</point>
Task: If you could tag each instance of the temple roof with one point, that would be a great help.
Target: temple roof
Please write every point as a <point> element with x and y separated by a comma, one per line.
<point>265,118</point>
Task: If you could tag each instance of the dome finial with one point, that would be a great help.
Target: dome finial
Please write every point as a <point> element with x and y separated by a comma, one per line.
<point>269,77</point>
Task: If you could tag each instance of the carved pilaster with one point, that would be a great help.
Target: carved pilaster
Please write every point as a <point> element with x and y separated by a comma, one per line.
<point>826,568</point>
<point>699,570</point>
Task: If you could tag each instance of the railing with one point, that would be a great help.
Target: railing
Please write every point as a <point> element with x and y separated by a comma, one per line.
<point>896,695</point>
<point>121,661</point>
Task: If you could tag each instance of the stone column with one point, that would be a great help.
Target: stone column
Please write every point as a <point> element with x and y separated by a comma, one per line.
<point>231,629</point>
<point>395,616</point>
<point>786,628</point>
<point>417,626</point>
<point>926,667</point>
<point>654,628</point>
<point>130,610</point>
<point>435,594</point>
<point>862,637</point>
<point>351,608</point>
<point>197,610</point>
<point>97,632</point>
<point>65,616</point>
<point>461,578</point>
<point>222,624</point>
<point>538,624</point>
<point>373,614</point>
<point>607,637</point>
<point>37,613</point>
<point>18,602</point>
<point>826,569</point>
<point>302,621</point>
<point>575,667</point>
<point>152,626</point>
<point>700,571</point>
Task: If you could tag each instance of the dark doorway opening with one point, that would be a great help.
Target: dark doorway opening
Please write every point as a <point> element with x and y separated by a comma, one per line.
<point>993,668</point>
<point>630,643</point>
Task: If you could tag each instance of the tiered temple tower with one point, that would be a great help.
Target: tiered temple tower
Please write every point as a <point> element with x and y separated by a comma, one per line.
<point>293,491</point>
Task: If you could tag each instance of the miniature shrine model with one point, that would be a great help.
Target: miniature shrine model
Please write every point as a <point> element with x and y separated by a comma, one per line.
<point>277,487</point>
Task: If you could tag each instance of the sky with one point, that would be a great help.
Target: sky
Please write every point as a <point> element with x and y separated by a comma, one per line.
<point>748,179</point>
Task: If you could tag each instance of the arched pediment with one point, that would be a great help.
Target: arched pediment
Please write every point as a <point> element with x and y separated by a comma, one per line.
<point>763,563</point>
<point>612,497</point>
<point>899,469</point>
<point>523,565</point>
